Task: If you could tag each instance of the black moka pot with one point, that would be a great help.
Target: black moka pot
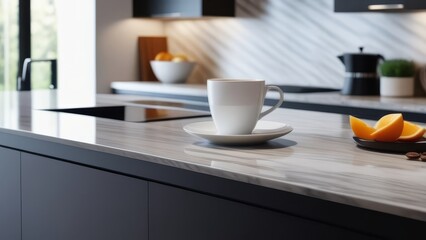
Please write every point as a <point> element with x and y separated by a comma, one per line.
<point>361,76</point>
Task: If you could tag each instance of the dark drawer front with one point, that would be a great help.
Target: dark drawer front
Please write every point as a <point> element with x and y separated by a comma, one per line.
<point>180,214</point>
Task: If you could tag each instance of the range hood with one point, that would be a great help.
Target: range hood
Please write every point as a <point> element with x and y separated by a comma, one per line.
<point>178,9</point>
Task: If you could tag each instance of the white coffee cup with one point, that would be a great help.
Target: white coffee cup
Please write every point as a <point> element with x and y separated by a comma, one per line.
<point>236,104</point>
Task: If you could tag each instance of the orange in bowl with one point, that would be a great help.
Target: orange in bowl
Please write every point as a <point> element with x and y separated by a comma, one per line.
<point>411,132</point>
<point>163,56</point>
<point>360,128</point>
<point>180,58</point>
<point>388,128</point>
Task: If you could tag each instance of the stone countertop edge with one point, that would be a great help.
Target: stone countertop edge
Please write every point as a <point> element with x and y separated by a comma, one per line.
<point>301,162</point>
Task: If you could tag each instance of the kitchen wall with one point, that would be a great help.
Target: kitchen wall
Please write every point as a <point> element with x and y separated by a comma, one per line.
<point>116,42</point>
<point>76,46</point>
<point>293,42</point>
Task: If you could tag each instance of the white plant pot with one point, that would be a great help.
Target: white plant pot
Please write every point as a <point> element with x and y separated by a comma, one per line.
<point>396,86</point>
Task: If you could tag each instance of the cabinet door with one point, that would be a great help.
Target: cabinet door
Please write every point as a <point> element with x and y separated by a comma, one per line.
<point>180,214</point>
<point>415,4</point>
<point>380,5</point>
<point>64,201</point>
<point>10,194</point>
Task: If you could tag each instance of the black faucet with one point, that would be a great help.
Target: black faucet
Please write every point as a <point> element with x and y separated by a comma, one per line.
<point>24,81</point>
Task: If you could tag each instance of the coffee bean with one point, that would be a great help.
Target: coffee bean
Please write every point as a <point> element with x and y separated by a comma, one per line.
<point>412,155</point>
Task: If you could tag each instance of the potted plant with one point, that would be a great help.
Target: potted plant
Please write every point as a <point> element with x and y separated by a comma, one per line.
<point>397,78</point>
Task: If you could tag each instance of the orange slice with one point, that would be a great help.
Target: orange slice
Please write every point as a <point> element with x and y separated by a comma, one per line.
<point>411,132</point>
<point>360,128</point>
<point>388,128</point>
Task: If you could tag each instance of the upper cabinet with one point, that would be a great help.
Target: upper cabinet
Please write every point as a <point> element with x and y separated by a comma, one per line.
<point>379,5</point>
<point>183,8</point>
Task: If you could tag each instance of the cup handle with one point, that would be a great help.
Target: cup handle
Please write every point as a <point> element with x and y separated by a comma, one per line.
<point>280,101</point>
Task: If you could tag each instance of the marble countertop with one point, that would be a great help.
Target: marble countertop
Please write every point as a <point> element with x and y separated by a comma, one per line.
<point>318,159</point>
<point>415,104</point>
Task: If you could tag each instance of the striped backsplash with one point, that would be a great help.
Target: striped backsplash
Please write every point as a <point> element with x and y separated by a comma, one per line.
<point>293,42</point>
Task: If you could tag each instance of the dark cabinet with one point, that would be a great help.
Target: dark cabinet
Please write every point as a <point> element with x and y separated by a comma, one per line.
<point>10,194</point>
<point>183,8</point>
<point>50,198</point>
<point>379,5</point>
<point>180,214</point>
<point>63,201</point>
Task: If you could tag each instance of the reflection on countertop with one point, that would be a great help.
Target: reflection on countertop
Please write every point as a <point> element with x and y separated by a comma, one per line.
<point>327,98</point>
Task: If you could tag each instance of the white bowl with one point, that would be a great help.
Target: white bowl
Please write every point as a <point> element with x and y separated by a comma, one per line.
<point>172,72</point>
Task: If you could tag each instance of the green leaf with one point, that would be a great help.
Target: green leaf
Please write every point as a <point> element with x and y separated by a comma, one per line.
<point>397,68</point>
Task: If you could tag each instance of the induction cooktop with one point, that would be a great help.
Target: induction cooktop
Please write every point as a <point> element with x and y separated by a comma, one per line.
<point>134,113</point>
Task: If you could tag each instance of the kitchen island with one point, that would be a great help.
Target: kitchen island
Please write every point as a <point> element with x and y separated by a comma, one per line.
<point>79,177</point>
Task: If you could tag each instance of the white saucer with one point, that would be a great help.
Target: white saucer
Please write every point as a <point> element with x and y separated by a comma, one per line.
<point>264,131</point>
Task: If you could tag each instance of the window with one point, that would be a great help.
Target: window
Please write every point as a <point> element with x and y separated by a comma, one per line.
<point>8,44</point>
<point>43,41</point>
<point>42,37</point>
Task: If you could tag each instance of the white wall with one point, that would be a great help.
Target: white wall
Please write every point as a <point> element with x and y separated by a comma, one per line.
<point>283,41</point>
<point>294,42</point>
<point>116,42</point>
<point>76,46</point>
